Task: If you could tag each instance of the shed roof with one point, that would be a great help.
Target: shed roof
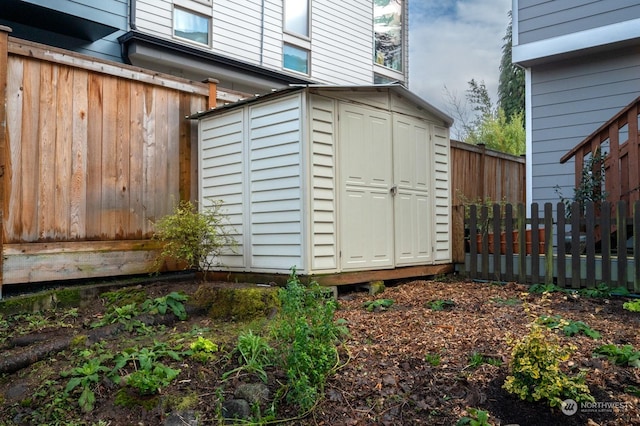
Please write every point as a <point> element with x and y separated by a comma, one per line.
<point>395,88</point>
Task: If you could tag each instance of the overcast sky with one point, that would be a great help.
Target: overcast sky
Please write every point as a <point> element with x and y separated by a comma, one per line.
<point>453,41</point>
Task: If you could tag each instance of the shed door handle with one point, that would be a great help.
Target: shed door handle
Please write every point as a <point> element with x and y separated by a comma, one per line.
<point>394,190</point>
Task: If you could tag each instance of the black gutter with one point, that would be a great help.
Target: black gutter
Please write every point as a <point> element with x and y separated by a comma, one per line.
<point>232,64</point>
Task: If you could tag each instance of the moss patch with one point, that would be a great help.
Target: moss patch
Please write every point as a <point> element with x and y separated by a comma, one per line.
<point>237,304</point>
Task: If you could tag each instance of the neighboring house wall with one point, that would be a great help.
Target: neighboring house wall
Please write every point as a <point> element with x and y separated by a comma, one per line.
<point>582,62</point>
<point>543,19</point>
<point>569,100</point>
<point>341,43</point>
<point>42,22</point>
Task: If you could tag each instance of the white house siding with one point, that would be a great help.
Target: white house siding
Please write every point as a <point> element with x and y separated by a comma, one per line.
<point>154,17</point>
<point>442,193</point>
<point>222,175</point>
<point>272,41</point>
<point>342,43</point>
<point>275,185</point>
<point>324,244</point>
<point>569,100</point>
<point>544,19</point>
<point>237,29</point>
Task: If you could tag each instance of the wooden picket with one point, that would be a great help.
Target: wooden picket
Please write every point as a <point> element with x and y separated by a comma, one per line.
<point>575,250</point>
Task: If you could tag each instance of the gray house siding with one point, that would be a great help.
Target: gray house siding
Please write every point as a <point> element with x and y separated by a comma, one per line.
<point>569,100</point>
<point>544,19</point>
<point>25,18</point>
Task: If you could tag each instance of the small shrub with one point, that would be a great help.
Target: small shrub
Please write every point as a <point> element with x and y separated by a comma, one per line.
<point>535,369</point>
<point>194,237</point>
<point>307,335</point>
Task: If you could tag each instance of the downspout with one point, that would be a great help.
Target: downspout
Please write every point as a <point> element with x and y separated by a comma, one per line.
<point>132,15</point>
<point>124,53</point>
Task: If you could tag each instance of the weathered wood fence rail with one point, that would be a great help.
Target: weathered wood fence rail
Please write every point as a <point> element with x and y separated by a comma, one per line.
<point>588,246</point>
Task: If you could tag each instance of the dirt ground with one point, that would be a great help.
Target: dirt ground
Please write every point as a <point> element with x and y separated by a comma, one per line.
<point>408,364</point>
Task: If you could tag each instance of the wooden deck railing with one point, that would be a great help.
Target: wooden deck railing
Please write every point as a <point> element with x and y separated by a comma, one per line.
<point>617,140</point>
<point>573,251</point>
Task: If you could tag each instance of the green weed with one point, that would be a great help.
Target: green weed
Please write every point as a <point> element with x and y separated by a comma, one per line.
<point>569,327</point>
<point>476,359</point>
<point>475,417</point>
<point>86,377</point>
<point>632,305</point>
<point>441,305</point>
<point>254,355</point>
<point>378,305</point>
<point>624,355</point>
<point>432,359</point>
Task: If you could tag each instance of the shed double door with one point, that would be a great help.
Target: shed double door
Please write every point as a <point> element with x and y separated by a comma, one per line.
<point>385,189</point>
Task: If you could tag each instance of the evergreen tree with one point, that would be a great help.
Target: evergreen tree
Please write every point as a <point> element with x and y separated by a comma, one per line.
<point>511,84</point>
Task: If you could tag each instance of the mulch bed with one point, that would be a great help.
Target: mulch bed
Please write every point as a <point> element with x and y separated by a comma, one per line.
<point>384,375</point>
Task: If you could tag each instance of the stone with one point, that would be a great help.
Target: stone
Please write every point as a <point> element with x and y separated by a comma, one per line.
<point>182,418</point>
<point>236,409</point>
<point>253,393</point>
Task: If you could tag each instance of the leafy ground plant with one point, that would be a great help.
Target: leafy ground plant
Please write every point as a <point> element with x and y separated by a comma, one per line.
<point>149,375</point>
<point>203,350</point>
<point>474,417</point>
<point>441,305</point>
<point>620,355</point>
<point>632,305</point>
<point>569,327</point>
<point>86,376</point>
<point>378,305</point>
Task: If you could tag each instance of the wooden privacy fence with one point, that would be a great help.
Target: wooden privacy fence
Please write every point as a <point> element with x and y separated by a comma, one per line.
<point>478,173</point>
<point>577,250</point>
<point>91,153</point>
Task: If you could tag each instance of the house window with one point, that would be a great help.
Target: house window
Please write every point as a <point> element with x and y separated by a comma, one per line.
<point>295,58</point>
<point>191,26</point>
<point>296,17</point>
<point>387,25</point>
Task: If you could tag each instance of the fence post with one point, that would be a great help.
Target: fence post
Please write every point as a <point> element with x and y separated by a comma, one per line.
<point>4,61</point>
<point>213,92</point>
<point>458,235</point>
<point>548,243</point>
